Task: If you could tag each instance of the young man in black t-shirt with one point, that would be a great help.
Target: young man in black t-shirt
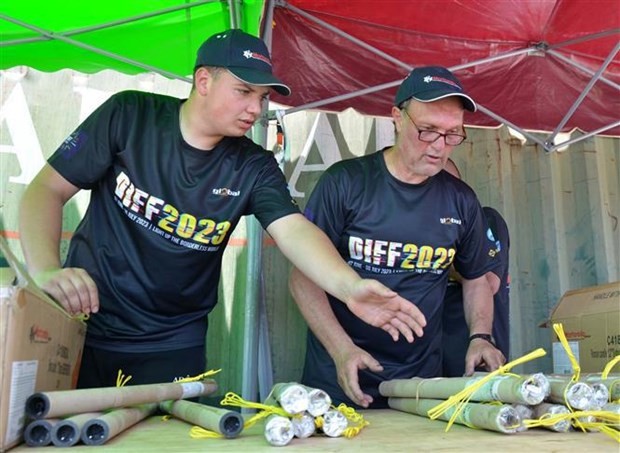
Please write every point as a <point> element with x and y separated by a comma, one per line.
<point>169,181</point>
<point>398,217</point>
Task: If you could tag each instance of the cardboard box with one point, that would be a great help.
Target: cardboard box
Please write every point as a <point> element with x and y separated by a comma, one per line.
<point>591,321</point>
<point>40,348</point>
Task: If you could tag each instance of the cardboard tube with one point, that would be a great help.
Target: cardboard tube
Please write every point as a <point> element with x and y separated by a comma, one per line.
<point>291,396</point>
<point>67,432</point>
<point>578,395</point>
<point>69,402</point>
<point>98,431</point>
<point>528,390</point>
<point>228,423</point>
<point>502,418</point>
<point>38,433</point>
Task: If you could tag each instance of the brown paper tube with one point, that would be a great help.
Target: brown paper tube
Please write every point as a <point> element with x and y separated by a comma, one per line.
<point>98,431</point>
<point>228,423</point>
<point>66,432</point>
<point>528,390</point>
<point>291,396</point>
<point>502,418</point>
<point>68,402</point>
<point>38,433</point>
<point>578,395</point>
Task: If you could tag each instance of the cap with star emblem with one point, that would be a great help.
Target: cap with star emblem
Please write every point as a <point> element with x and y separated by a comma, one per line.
<point>245,56</point>
<point>431,83</point>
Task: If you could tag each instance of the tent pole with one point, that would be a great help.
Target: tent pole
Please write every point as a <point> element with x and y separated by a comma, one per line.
<point>235,14</point>
<point>588,71</point>
<point>583,94</point>
<point>254,337</point>
<point>584,136</point>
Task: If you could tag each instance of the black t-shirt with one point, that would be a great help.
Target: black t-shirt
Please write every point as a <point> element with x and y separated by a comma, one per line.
<point>160,215</point>
<point>406,236</point>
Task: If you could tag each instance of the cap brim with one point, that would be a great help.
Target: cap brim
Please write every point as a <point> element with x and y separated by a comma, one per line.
<point>435,95</point>
<point>260,78</point>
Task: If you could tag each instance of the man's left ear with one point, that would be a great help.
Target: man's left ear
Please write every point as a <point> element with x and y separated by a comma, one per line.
<point>397,117</point>
<point>201,78</point>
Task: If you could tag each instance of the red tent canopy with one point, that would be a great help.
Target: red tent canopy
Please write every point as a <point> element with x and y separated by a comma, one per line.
<point>548,65</point>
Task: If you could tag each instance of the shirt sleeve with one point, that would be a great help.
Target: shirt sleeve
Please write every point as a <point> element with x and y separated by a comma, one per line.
<point>85,155</point>
<point>271,198</point>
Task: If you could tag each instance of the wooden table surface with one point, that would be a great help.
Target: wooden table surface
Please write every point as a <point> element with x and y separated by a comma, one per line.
<point>389,431</point>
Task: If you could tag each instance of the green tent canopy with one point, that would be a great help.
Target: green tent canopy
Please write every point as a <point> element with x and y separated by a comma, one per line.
<point>130,36</point>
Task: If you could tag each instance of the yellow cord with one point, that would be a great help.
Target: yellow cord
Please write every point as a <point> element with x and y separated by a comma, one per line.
<point>559,330</point>
<point>232,399</point>
<point>612,363</point>
<point>198,432</point>
<point>353,417</point>
<point>200,377</point>
<point>121,379</point>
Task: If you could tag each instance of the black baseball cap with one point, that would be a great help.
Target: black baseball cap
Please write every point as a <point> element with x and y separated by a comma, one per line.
<point>431,83</point>
<point>245,56</point>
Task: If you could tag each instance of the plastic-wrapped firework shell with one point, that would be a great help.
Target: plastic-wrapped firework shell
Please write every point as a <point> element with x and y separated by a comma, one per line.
<point>525,413</point>
<point>334,423</point>
<point>293,397</point>
<point>303,425</point>
<point>577,394</point>
<point>546,409</point>
<point>501,418</point>
<point>319,401</point>
<point>505,388</point>
<point>278,430</point>
<point>600,395</point>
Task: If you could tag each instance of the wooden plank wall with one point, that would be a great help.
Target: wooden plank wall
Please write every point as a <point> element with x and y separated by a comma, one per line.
<point>562,208</point>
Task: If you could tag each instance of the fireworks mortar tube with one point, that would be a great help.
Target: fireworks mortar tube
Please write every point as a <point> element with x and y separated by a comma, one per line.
<point>227,423</point>
<point>505,388</point>
<point>68,402</point>
<point>99,430</point>
<point>503,418</point>
<point>38,433</point>
<point>66,432</point>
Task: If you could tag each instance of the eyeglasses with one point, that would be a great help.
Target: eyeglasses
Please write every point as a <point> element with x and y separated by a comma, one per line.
<point>428,136</point>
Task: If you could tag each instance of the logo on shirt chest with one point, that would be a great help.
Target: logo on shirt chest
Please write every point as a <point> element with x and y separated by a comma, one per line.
<point>225,192</point>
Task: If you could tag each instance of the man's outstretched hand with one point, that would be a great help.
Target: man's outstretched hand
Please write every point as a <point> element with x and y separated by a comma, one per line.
<point>379,306</point>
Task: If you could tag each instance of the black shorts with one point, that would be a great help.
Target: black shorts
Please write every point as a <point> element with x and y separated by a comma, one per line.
<point>100,368</point>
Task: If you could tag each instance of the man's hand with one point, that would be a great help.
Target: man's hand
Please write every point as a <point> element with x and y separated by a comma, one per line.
<point>348,363</point>
<point>381,307</point>
<point>72,288</point>
<point>482,353</point>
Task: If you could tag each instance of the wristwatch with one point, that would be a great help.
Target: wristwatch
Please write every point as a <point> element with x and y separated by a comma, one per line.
<point>483,336</point>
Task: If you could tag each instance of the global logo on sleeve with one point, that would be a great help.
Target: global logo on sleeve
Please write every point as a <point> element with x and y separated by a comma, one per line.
<point>72,144</point>
<point>225,192</point>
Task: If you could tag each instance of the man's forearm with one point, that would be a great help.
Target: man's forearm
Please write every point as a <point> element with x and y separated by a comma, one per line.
<point>478,305</point>
<point>311,251</point>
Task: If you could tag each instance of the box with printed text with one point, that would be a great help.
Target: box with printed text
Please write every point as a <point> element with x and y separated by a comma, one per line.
<point>40,347</point>
<point>591,322</point>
